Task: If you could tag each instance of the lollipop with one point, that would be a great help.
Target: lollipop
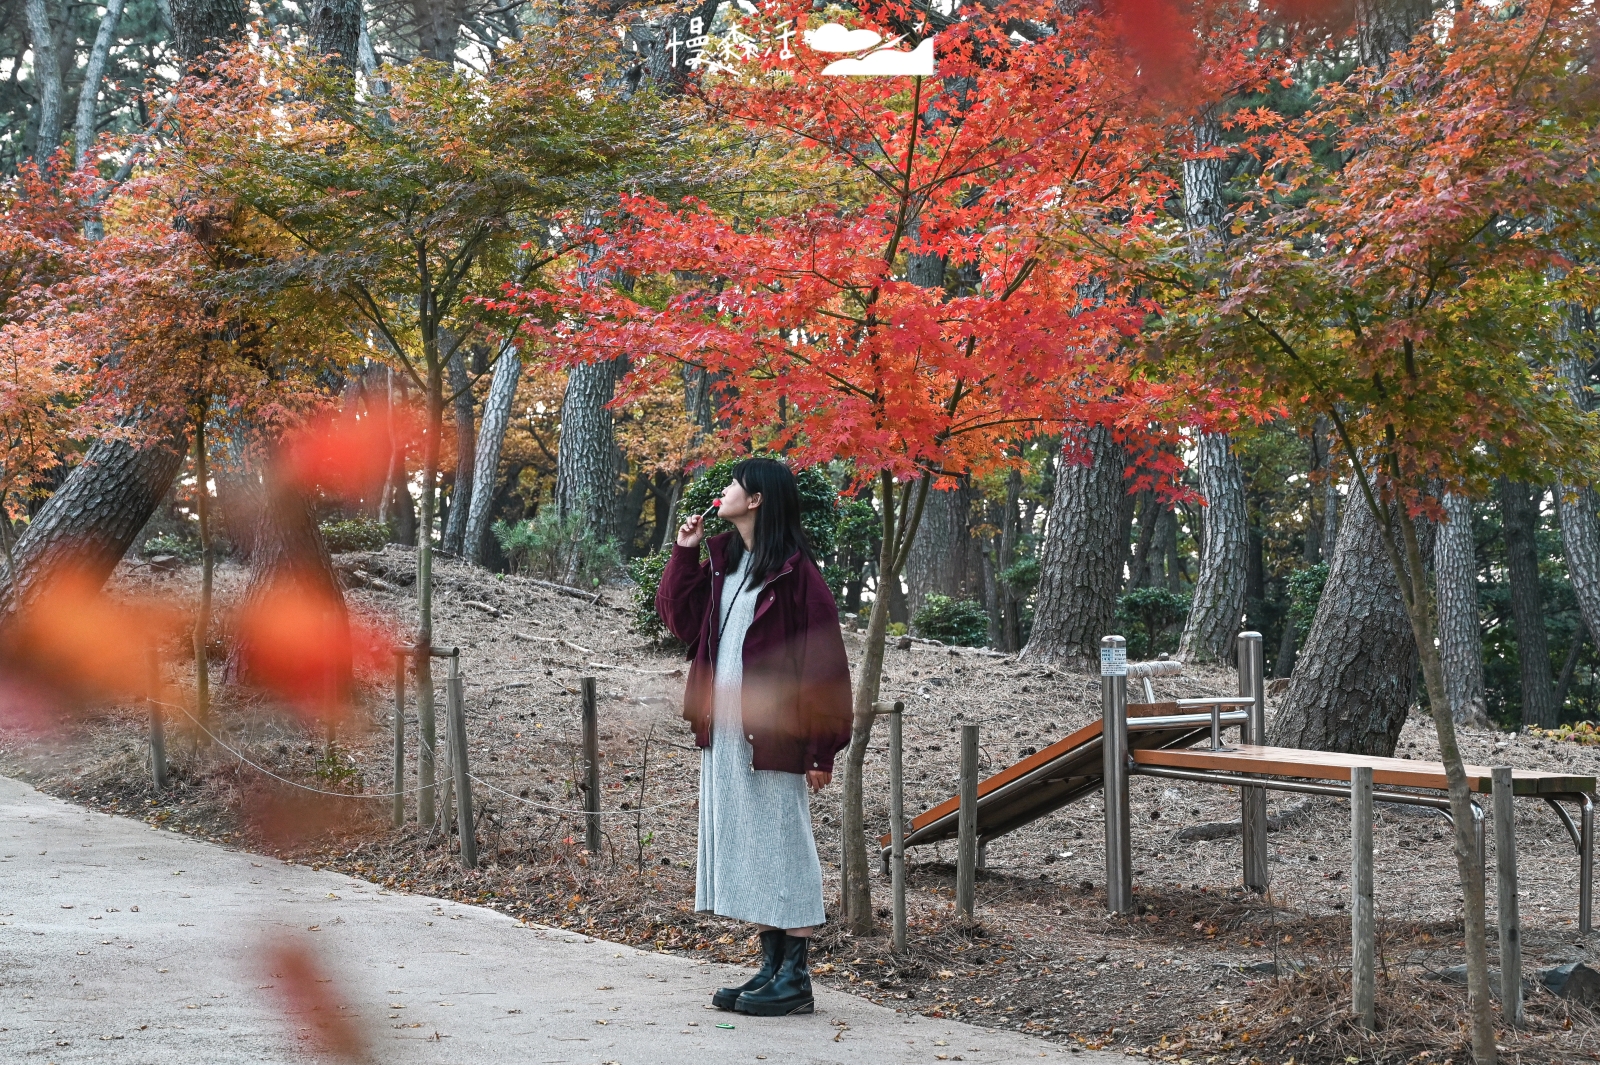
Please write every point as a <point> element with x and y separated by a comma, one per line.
<point>712,509</point>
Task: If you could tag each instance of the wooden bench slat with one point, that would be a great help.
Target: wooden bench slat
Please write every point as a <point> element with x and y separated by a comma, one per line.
<point>1328,765</point>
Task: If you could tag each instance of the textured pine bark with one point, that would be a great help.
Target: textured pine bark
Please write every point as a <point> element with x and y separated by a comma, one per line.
<point>1577,505</point>
<point>1455,567</point>
<point>1356,674</point>
<point>48,78</point>
<point>94,517</point>
<point>586,459</point>
<point>1213,623</point>
<point>491,437</point>
<point>455,527</point>
<point>1519,518</point>
<point>335,27</point>
<point>1080,556</point>
<point>201,26</point>
<point>1384,27</point>
<point>938,562</point>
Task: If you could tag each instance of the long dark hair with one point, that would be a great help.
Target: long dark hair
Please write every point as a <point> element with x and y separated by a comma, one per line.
<point>779,533</point>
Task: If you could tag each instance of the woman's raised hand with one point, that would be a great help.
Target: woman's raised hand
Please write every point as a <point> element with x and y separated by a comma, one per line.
<point>691,532</point>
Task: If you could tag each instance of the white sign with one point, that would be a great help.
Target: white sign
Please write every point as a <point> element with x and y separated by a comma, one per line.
<point>1114,661</point>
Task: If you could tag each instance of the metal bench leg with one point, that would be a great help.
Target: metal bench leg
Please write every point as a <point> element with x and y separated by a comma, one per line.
<point>1583,840</point>
<point>1114,747</point>
<point>1253,801</point>
<point>1585,863</point>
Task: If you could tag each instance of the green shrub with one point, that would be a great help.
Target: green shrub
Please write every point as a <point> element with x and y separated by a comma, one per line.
<point>549,547</point>
<point>962,622</point>
<point>1305,592</point>
<point>646,574</point>
<point>169,544</point>
<point>819,514</point>
<point>1022,576</point>
<point>354,534</point>
<point>1146,617</point>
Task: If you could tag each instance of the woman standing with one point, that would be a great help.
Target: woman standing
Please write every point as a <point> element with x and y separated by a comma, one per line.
<point>769,698</point>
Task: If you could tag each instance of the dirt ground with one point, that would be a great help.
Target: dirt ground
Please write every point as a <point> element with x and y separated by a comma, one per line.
<point>1205,973</point>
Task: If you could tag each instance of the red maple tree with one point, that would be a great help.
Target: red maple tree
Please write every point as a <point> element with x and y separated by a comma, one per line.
<point>902,302</point>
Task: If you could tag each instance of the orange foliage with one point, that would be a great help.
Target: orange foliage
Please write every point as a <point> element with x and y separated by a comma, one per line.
<point>308,995</point>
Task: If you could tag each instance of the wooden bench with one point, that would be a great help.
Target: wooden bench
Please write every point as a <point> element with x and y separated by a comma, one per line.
<point>1425,784</point>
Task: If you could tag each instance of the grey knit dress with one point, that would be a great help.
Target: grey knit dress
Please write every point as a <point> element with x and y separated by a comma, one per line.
<point>758,858</point>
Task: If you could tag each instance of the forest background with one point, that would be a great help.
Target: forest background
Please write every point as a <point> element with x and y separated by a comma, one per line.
<point>579,490</point>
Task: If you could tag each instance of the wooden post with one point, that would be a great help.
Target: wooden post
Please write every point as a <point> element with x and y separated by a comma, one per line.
<point>967,823</point>
<point>427,739</point>
<point>399,738</point>
<point>897,822</point>
<point>457,703</point>
<point>1505,854</point>
<point>1363,947</point>
<point>591,779</point>
<point>158,727</point>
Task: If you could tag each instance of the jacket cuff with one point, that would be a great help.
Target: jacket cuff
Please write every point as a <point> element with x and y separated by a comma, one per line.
<point>819,760</point>
<point>681,555</point>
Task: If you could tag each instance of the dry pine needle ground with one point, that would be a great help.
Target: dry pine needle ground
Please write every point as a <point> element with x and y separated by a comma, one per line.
<point>1187,979</point>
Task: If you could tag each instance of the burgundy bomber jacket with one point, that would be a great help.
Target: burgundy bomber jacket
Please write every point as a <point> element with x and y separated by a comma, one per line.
<point>796,693</point>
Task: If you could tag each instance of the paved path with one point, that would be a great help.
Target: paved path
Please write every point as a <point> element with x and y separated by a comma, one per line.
<point>120,943</point>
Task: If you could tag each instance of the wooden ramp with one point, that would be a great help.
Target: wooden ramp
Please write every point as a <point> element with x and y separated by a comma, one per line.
<point>1061,773</point>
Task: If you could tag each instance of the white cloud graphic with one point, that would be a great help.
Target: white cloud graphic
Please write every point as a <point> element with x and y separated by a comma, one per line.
<point>887,62</point>
<point>832,37</point>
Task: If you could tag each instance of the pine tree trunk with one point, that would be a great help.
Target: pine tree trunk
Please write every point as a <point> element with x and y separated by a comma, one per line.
<point>1455,565</point>
<point>938,561</point>
<point>1218,604</point>
<point>455,529</point>
<point>335,27</point>
<point>491,437</point>
<point>1355,677</point>
<point>48,78</point>
<point>586,460</point>
<point>85,125</point>
<point>1010,538</point>
<point>1080,556</point>
<point>1577,505</point>
<point>93,518</point>
<point>1519,517</point>
<point>202,26</point>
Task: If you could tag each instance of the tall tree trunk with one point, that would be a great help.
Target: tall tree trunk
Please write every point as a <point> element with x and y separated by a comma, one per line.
<point>202,26</point>
<point>1080,556</point>
<point>937,564</point>
<point>1455,565</point>
<point>1384,27</point>
<point>49,76</point>
<point>1219,591</point>
<point>335,27</point>
<point>438,27</point>
<point>455,529</point>
<point>94,517</point>
<point>1010,539</point>
<point>1218,604</point>
<point>1577,503</point>
<point>1519,517</point>
<point>1356,675</point>
<point>586,459</point>
<point>629,511</point>
<point>491,437</point>
<point>291,560</point>
<point>85,126</point>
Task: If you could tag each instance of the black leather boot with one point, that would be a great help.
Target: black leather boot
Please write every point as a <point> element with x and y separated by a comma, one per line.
<point>789,991</point>
<point>771,959</point>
